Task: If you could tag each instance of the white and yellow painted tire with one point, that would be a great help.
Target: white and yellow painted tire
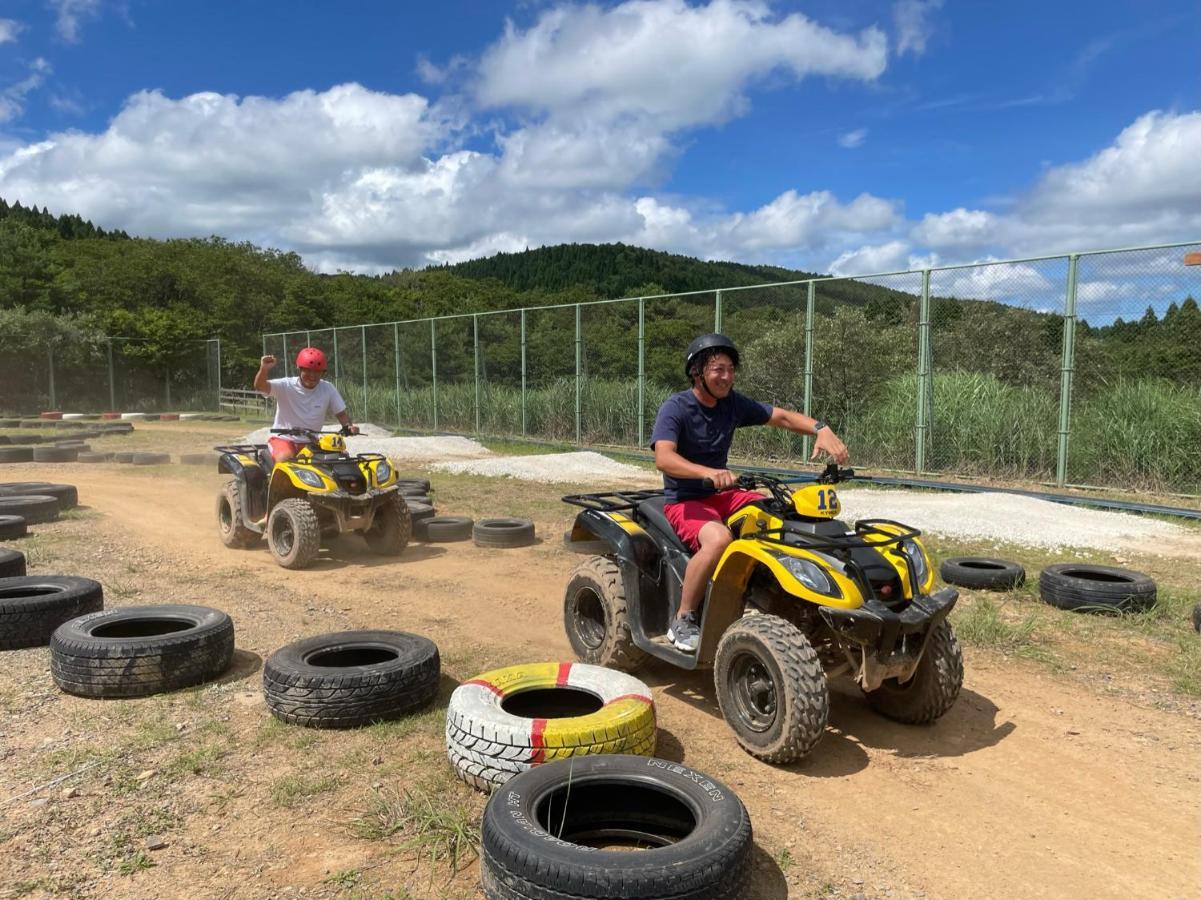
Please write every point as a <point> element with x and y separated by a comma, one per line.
<point>488,745</point>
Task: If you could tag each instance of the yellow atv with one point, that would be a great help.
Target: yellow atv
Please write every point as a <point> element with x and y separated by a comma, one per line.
<point>321,492</point>
<point>797,597</point>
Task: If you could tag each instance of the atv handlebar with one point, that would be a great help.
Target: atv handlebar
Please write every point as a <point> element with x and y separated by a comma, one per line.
<point>832,474</point>
<point>310,433</point>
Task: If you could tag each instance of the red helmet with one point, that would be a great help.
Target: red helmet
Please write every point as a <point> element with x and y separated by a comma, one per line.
<point>311,358</point>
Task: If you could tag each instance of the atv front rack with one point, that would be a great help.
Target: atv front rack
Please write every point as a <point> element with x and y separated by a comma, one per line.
<point>841,541</point>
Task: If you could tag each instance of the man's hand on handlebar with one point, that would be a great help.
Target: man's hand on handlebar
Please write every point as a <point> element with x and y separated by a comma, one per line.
<point>348,430</point>
<point>721,479</point>
<point>829,443</point>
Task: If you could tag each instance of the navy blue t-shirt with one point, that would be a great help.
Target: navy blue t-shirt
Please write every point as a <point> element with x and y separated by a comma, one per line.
<point>702,434</point>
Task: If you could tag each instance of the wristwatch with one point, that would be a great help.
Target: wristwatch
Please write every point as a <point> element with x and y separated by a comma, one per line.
<point>818,426</point>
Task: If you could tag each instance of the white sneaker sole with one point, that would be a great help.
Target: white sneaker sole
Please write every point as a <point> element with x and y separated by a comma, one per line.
<point>680,645</point>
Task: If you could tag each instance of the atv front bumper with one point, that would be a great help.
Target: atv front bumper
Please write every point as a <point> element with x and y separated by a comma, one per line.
<point>351,512</point>
<point>887,637</point>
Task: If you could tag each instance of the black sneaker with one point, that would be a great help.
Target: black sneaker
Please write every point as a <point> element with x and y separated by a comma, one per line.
<point>685,633</point>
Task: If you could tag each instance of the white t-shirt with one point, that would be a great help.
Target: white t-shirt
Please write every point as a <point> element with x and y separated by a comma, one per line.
<point>298,407</point>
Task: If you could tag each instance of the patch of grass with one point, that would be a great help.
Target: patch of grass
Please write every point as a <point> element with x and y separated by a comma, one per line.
<point>136,863</point>
<point>436,824</point>
<point>1184,666</point>
<point>784,859</point>
<point>344,880</point>
<point>201,761</point>
<point>292,790</point>
<point>984,622</point>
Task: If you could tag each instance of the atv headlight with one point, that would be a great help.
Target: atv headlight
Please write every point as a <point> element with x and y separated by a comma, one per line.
<point>309,477</point>
<point>920,566</point>
<point>383,472</point>
<point>810,574</point>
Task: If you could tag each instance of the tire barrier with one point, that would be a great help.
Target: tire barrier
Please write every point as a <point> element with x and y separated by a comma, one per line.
<point>567,829</point>
<point>95,457</point>
<point>199,459</point>
<point>12,527</point>
<point>351,678</point>
<point>16,454</point>
<point>34,606</point>
<point>503,533</point>
<point>34,508</point>
<point>123,456</point>
<point>444,529</point>
<point>55,454</point>
<point>138,651</point>
<point>1078,587</point>
<point>12,563</point>
<point>66,494</point>
<point>982,572</point>
<point>413,485</point>
<point>150,459</point>
<point>509,720</point>
<point>419,511</point>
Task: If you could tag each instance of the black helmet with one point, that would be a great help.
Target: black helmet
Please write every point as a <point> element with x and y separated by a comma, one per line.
<point>707,344</point>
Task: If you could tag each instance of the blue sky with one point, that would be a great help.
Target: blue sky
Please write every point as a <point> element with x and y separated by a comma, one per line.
<point>833,136</point>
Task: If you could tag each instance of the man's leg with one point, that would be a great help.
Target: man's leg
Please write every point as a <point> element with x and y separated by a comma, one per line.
<point>685,630</point>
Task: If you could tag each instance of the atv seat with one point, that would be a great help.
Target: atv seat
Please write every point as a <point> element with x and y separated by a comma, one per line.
<point>652,511</point>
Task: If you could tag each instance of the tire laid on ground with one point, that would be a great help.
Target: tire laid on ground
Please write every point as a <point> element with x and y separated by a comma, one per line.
<point>1197,618</point>
<point>596,616</point>
<point>419,511</point>
<point>566,830</point>
<point>123,456</point>
<point>34,508</point>
<point>417,498</point>
<point>198,459</point>
<point>141,650</point>
<point>503,533</point>
<point>12,527</point>
<point>509,720</point>
<point>12,563</point>
<point>391,527</point>
<point>229,519</point>
<point>66,494</point>
<point>413,485</point>
<point>447,528</point>
<point>771,688</point>
<point>94,457</point>
<point>1078,587</point>
<point>350,679</point>
<point>16,454</point>
<point>934,687</point>
<point>150,459</point>
<point>982,572</point>
<point>32,607</point>
<point>294,533</point>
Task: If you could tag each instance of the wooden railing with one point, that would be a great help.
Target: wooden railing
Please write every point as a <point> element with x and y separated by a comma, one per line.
<point>244,401</point>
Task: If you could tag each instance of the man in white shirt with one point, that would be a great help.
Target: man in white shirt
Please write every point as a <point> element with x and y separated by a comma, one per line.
<point>304,401</point>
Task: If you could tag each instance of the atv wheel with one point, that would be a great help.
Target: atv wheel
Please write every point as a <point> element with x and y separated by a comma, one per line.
<point>771,688</point>
<point>391,528</point>
<point>596,616</point>
<point>933,688</point>
<point>229,518</point>
<point>294,533</point>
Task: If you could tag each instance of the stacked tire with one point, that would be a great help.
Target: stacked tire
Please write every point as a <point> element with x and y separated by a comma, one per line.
<point>511,720</point>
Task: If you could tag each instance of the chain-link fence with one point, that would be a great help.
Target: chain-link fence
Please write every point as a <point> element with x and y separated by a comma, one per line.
<point>81,372</point>
<point>1077,369</point>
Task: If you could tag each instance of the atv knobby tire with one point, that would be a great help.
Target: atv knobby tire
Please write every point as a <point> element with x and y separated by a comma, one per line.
<point>350,679</point>
<point>294,533</point>
<point>934,687</point>
<point>596,616</point>
<point>143,650</point>
<point>391,527</point>
<point>565,831</point>
<point>1078,587</point>
<point>12,563</point>
<point>66,494</point>
<point>12,527</point>
<point>233,531</point>
<point>33,606</point>
<point>771,688</point>
<point>503,533</point>
<point>982,572</point>
<point>35,508</point>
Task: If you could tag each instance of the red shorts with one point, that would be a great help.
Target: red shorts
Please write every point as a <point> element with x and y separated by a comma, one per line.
<point>688,517</point>
<point>284,447</point>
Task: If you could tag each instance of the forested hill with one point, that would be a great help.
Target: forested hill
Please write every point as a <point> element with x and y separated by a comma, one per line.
<point>615,270</point>
<point>68,226</point>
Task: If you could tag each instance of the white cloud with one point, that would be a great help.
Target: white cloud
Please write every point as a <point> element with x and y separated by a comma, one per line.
<point>852,139</point>
<point>71,14</point>
<point>912,20</point>
<point>958,228</point>
<point>9,29</point>
<point>664,60</point>
<point>12,98</point>
<point>890,257</point>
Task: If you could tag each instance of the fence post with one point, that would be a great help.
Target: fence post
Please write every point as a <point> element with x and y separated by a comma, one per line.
<point>434,370</point>
<point>717,311</point>
<point>579,340</point>
<point>641,371</point>
<point>475,357</point>
<point>284,338</point>
<point>218,373</point>
<point>363,333</point>
<point>523,426</point>
<point>923,374</point>
<point>335,357</point>
<point>1065,374</point>
<point>810,305</point>
<point>167,385</point>
<point>50,362</point>
<point>396,349</point>
<point>112,380</point>
<point>308,339</point>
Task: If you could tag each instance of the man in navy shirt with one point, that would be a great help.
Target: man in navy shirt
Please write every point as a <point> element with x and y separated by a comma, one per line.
<point>691,439</point>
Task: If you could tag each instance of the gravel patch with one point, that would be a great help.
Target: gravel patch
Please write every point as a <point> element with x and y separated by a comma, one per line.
<point>374,439</point>
<point>550,468</point>
<point>1008,518</point>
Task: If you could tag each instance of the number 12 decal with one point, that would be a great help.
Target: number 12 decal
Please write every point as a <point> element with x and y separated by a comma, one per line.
<point>825,495</point>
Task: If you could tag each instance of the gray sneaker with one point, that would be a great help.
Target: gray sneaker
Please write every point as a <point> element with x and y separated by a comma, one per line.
<point>685,633</point>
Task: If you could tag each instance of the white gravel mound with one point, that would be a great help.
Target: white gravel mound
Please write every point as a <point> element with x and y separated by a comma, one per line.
<point>1008,518</point>
<point>374,439</point>
<point>550,468</point>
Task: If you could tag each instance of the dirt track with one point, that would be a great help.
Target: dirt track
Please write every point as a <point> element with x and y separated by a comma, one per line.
<point>1032,786</point>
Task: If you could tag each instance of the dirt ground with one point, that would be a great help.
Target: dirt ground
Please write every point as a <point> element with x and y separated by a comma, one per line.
<point>1036,784</point>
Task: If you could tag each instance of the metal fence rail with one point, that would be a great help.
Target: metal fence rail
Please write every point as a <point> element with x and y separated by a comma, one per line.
<point>1081,368</point>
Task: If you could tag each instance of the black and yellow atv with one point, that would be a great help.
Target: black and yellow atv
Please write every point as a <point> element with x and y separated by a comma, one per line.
<point>797,597</point>
<point>321,492</point>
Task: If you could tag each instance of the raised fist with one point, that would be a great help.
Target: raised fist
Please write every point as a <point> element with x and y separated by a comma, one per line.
<point>267,361</point>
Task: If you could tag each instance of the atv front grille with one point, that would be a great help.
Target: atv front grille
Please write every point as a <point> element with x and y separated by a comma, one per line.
<point>349,476</point>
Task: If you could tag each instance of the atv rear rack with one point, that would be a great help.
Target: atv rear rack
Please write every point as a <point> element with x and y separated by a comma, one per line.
<point>612,501</point>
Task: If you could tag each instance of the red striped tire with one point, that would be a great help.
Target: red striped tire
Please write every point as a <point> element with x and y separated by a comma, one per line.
<point>510,720</point>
